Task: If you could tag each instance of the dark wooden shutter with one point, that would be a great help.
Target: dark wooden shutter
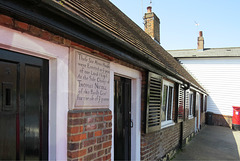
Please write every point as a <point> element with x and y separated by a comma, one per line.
<point>175,105</point>
<point>201,99</point>
<point>194,105</point>
<point>153,113</point>
<point>180,114</point>
<point>186,104</point>
<point>205,104</point>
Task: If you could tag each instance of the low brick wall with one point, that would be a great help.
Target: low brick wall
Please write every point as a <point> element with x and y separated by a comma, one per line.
<point>188,127</point>
<point>89,134</point>
<point>222,120</point>
<point>163,144</point>
<point>203,119</point>
<point>158,144</point>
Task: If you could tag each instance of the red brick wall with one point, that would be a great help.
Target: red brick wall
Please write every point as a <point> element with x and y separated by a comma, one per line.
<point>188,127</point>
<point>31,30</point>
<point>203,119</point>
<point>89,134</point>
<point>222,120</point>
<point>155,145</point>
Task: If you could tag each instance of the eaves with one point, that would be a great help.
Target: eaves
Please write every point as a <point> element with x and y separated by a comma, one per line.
<point>53,17</point>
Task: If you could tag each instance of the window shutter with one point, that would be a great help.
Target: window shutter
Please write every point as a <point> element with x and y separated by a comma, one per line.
<point>180,109</point>
<point>153,113</point>
<point>197,104</point>
<point>186,104</point>
<point>201,99</point>
<point>205,104</point>
<point>194,105</point>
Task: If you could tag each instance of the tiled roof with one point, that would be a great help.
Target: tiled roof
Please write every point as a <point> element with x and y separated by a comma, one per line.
<point>105,15</point>
<point>208,52</point>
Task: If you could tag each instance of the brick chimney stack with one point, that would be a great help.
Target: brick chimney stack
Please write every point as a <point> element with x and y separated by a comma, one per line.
<point>200,41</point>
<point>152,24</point>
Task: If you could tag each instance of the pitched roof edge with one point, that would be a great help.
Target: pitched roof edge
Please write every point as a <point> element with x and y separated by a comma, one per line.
<point>119,40</point>
<point>58,9</point>
<point>206,53</point>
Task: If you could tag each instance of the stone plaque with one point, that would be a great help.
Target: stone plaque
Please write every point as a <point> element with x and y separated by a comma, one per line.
<point>93,76</point>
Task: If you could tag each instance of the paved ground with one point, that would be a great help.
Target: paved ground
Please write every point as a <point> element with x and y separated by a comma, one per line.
<point>211,144</point>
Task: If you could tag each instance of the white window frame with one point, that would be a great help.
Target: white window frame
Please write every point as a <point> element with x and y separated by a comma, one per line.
<point>191,104</point>
<point>167,123</point>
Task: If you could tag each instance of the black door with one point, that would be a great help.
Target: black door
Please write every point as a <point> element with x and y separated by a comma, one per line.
<point>23,107</point>
<point>122,118</point>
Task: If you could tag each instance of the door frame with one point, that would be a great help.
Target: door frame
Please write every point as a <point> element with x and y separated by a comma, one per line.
<point>23,61</point>
<point>199,111</point>
<point>58,88</point>
<point>122,87</point>
<point>198,116</point>
<point>136,78</point>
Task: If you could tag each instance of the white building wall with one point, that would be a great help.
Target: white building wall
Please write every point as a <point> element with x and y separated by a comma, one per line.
<point>58,83</point>
<point>221,78</point>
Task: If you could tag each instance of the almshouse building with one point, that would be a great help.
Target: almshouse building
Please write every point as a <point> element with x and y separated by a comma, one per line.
<point>81,81</point>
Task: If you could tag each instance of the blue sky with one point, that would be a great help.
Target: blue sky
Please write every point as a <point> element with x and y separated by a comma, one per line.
<point>218,19</point>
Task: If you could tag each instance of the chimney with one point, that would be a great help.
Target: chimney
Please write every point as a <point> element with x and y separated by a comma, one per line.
<point>152,25</point>
<point>200,41</point>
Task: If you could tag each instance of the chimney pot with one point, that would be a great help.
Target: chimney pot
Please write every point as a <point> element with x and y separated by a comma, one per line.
<point>149,9</point>
<point>200,41</point>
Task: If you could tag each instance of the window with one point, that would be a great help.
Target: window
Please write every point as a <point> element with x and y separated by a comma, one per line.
<point>180,101</point>
<point>167,103</point>
<point>191,105</point>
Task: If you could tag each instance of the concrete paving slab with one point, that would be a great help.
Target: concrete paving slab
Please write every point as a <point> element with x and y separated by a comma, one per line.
<point>212,143</point>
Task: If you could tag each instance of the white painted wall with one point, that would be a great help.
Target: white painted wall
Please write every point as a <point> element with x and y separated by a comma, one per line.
<point>58,83</point>
<point>58,57</point>
<point>221,78</point>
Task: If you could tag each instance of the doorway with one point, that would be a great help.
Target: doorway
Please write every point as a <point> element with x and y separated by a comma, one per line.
<point>23,107</point>
<point>122,118</point>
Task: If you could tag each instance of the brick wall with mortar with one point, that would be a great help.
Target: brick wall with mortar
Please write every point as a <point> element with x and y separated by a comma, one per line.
<point>188,127</point>
<point>163,144</point>
<point>89,134</point>
<point>203,119</point>
<point>157,144</point>
<point>152,26</point>
<point>222,120</point>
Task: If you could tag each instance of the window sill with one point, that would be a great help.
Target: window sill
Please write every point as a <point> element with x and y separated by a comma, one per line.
<point>190,117</point>
<point>166,124</point>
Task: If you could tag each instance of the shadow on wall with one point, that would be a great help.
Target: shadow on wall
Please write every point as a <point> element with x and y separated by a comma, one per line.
<point>221,120</point>
<point>217,119</point>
